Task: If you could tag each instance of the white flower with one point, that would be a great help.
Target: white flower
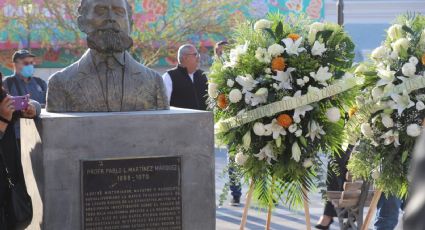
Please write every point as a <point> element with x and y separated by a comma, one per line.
<point>298,133</point>
<point>314,130</point>
<point>300,111</point>
<point>387,121</point>
<point>308,163</point>
<point>296,152</point>
<point>391,137</point>
<point>394,55</point>
<point>293,47</point>
<point>333,114</point>
<point>275,50</point>
<point>235,55</point>
<point>268,71</point>
<point>284,78</point>
<point>262,55</point>
<point>377,93</point>
<point>314,29</point>
<point>413,60</point>
<point>401,45</point>
<point>366,130</point>
<point>318,49</point>
<point>230,83</point>
<point>360,69</point>
<point>395,32</point>
<point>241,159</point>
<point>266,153</point>
<point>293,128</point>
<point>235,96</point>
<point>213,90</point>
<point>413,130</point>
<point>322,74</point>
<point>262,24</point>
<point>402,102</point>
<point>275,129</point>
<point>409,69</point>
<point>300,82</point>
<point>420,106</point>
<point>246,140</point>
<point>386,75</point>
<point>379,53</point>
<point>247,82</point>
<point>259,129</point>
<point>260,97</point>
<point>306,79</point>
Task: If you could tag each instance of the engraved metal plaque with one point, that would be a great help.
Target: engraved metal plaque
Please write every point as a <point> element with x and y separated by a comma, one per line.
<point>138,193</point>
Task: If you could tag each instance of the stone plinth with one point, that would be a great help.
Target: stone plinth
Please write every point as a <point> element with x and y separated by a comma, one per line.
<point>53,146</point>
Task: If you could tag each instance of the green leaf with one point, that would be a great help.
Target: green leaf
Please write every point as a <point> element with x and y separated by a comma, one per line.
<point>303,141</point>
<point>408,29</point>
<point>404,156</point>
<point>271,33</point>
<point>279,30</point>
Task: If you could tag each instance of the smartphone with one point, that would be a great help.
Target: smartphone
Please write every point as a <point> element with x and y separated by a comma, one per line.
<point>21,102</point>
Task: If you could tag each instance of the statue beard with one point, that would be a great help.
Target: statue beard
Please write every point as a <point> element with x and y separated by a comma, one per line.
<point>109,41</point>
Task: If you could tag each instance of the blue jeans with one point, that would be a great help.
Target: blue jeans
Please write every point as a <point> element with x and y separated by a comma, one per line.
<point>387,213</point>
<point>235,184</point>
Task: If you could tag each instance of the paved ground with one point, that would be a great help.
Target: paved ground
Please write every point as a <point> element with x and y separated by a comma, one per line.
<point>228,218</point>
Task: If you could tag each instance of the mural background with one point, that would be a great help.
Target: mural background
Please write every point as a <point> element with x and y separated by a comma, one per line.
<point>49,30</point>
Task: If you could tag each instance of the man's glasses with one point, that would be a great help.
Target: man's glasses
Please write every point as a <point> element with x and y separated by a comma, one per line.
<point>194,54</point>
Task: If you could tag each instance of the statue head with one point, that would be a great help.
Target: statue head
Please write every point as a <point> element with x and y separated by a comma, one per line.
<point>107,24</point>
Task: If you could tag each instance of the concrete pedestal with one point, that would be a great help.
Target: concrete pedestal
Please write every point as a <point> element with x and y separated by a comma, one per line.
<point>53,146</point>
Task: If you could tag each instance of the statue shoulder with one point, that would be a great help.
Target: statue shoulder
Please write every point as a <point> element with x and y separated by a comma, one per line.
<point>64,74</point>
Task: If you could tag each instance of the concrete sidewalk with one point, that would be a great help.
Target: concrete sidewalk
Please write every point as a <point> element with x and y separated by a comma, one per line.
<point>228,217</point>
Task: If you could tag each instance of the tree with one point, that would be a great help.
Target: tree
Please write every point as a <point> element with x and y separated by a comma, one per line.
<point>179,22</point>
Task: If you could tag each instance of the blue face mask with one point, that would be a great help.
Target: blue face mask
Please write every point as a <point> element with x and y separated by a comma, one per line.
<point>27,71</point>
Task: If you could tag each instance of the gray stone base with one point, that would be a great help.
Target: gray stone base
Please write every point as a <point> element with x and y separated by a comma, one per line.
<point>53,146</point>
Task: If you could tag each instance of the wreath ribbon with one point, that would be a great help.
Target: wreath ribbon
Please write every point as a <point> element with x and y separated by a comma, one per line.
<point>363,114</point>
<point>287,104</point>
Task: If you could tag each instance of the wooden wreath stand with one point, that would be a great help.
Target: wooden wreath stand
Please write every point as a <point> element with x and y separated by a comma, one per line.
<point>269,213</point>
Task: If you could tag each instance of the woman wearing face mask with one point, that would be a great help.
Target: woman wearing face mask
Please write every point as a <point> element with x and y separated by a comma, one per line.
<point>23,82</point>
<point>10,156</point>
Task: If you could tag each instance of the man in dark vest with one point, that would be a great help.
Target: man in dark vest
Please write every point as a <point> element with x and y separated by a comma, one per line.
<point>186,85</point>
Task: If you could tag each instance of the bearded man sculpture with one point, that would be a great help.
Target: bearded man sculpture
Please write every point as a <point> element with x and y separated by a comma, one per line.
<point>106,78</point>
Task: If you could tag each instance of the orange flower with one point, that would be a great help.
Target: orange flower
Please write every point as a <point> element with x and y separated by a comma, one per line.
<point>222,101</point>
<point>284,120</point>
<point>278,64</point>
<point>423,59</point>
<point>294,37</point>
<point>352,111</point>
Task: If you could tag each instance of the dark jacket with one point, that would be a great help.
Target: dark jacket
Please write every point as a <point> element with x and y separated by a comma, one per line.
<point>188,94</point>
<point>12,155</point>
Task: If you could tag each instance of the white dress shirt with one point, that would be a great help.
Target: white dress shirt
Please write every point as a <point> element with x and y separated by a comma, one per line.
<point>166,78</point>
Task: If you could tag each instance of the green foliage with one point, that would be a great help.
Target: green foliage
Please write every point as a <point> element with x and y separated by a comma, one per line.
<point>383,154</point>
<point>251,65</point>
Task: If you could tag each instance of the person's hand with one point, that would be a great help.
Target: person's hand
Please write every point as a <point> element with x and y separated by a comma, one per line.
<point>30,112</point>
<point>7,108</point>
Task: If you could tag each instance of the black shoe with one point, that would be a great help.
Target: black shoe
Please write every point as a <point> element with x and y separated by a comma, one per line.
<point>319,226</point>
<point>236,201</point>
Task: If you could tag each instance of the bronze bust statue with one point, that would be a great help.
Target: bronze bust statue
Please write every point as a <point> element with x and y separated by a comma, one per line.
<point>106,78</point>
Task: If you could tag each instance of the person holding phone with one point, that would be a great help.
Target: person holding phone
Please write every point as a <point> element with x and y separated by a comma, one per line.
<point>23,82</point>
<point>11,157</point>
